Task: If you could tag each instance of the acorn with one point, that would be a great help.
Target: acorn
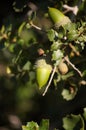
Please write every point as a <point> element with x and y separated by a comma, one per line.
<point>63,68</point>
<point>41,51</point>
<point>43,71</point>
<point>58,18</point>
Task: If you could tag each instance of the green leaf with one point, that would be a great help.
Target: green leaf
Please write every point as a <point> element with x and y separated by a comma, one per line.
<point>70,26</point>
<point>73,122</point>
<point>66,76</point>
<point>31,126</point>
<point>44,124</point>
<point>21,28</point>
<point>25,128</point>
<point>56,45</point>
<point>57,56</point>
<point>72,35</point>
<point>69,94</point>
<point>2,30</point>
<point>27,66</point>
<point>11,47</point>
<point>28,36</point>
<point>52,35</point>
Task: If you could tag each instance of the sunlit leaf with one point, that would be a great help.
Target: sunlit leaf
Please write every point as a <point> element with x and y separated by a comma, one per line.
<point>52,35</point>
<point>56,45</point>
<point>73,122</point>
<point>69,94</point>
<point>34,126</point>
<point>57,56</point>
<point>27,66</point>
<point>31,126</point>
<point>70,26</point>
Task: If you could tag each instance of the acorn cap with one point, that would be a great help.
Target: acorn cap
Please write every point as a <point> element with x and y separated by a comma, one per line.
<point>41,63</point>
<point>58,17</point>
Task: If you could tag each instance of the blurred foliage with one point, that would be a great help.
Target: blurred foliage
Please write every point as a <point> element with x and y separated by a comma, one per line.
<point>26,35</point>
<point>34,126</point>
<point>73,122</point>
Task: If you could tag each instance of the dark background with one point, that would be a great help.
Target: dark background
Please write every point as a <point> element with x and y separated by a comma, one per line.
<point>14,110</point>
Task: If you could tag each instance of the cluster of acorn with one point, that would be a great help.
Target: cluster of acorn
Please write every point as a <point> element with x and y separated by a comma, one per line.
<point>43,69</point>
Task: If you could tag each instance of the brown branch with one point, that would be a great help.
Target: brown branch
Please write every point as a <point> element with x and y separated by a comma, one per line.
<point>69,8</point>
<point>49,83</point>
<point>36,27</point>
<point>67,60</point>
<point>74,49</point>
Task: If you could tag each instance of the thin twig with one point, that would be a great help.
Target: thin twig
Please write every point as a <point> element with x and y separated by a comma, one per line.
<point>67,60</point>
<point>36,27</point>
<point>69,8</point>
<point>74,49</point>
<point>54,70</point>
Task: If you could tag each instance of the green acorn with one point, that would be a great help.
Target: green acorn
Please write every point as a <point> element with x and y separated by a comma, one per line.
<point>43,71</point>
<point>58,17</point>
